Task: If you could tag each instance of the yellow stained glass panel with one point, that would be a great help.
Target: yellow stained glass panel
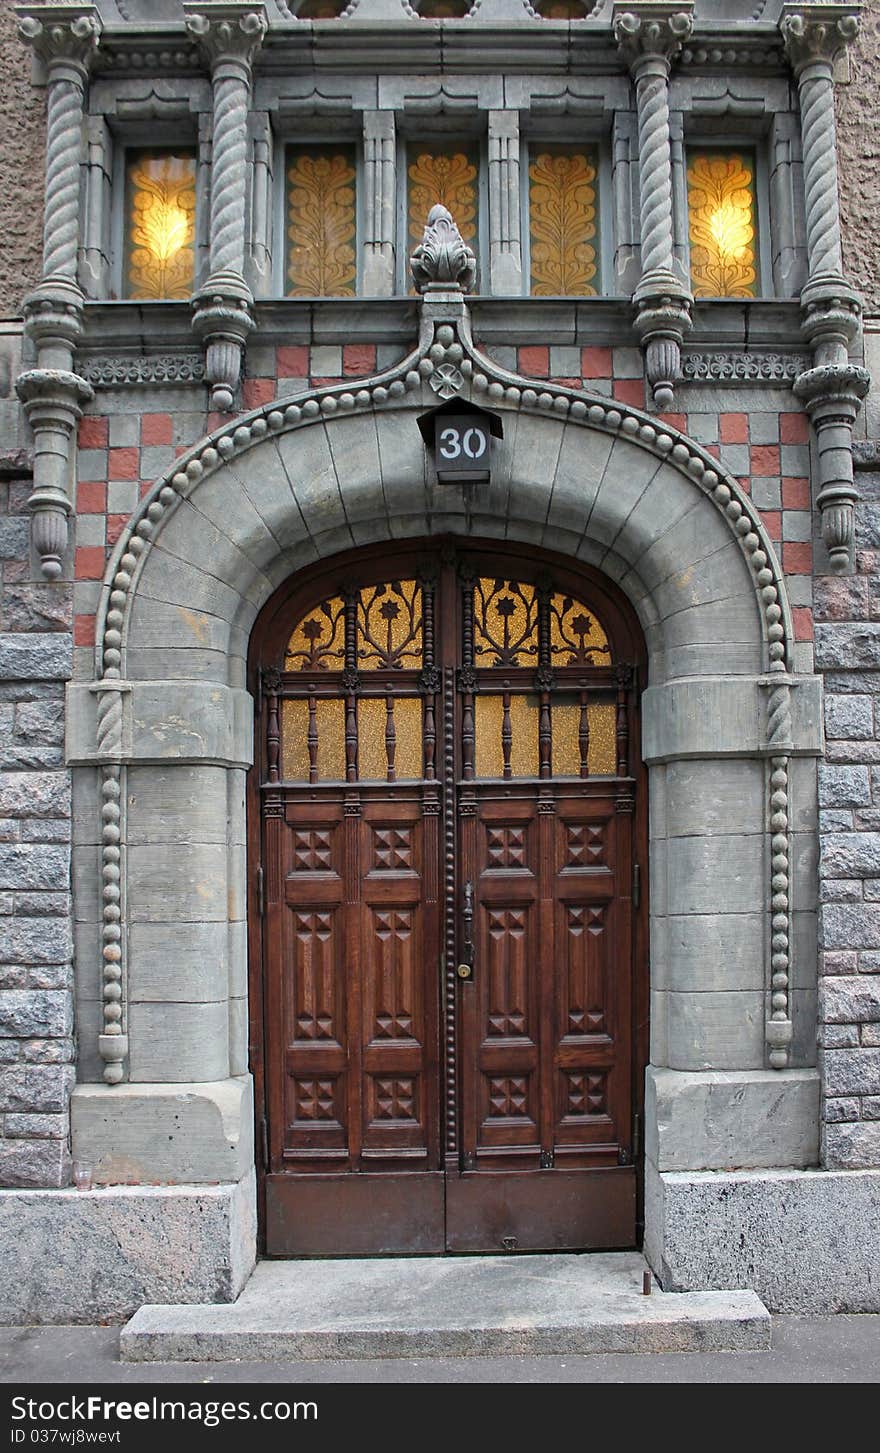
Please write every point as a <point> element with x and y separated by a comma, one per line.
<point>160,225</point>
<point>389,627</point>
<point>505,623</point>
<point>446,175</point>
<point>602,749</point>
<point>721,224</point>
<point>330,722</point>
<point>372,745</point>
<point>577,636</point>
<point>321,222</point>
<point>562,222</point>
<point>318,641</point>
<point>488,726</point>
<point>602,758</point>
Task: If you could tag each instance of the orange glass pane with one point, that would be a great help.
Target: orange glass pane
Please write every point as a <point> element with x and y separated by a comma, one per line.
<point>577,636</point>
<point>603,740</point>
<point>389,627</point>
<point>602,749</point>
<point>562,222</point>
<point>160,225</point>
<point>318,641</point>
<point>321,222</point>
<point>721,224</point>
<point>373,747</point>
<point>330,724</point>
<point>489,729</point>
<point>505,623</point>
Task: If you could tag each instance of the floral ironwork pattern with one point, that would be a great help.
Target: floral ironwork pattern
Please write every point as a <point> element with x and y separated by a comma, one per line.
<point>562,223</point>
<point>321,223</point>
<point>441,175</point>
<point>389,626</point>
<point>505,623</point>
<point>318,641</point>
<point>721,222</point>
<point>161,226</point>
<point>577,638</point>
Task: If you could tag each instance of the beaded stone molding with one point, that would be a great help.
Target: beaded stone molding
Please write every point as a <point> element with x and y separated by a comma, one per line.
<point>446,351</point>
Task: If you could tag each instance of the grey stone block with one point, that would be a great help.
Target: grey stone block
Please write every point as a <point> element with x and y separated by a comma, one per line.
<point>839,1111</point>
<point>47,1013</point>
<point>707,718</point>
<point>852,1147</point>
<point>852,1071</point>
<point>34,941</point>
<point>705,798</point>
<point>31,866</point>
<point>854,999</point>
<point>850,926</point>
<point>171,962</point>
<point>30,1088</point>
<point>847,644</point>
<point>851,855</point>
<point>37,656</point>
<point>29,1162</point>
<point>171,1134</point>
<point>719,1120</point>
<point>715,1030</point>
<point>844,786</point>
<point>188,884</point>
<point>806,1241</point>
<point>36,1127</point>
<point>722,874</point>
<point>172,1042</point>
<point>82,1256</point>
<point>175,804</point>
<point>34,794</point>
<point>712,952</point>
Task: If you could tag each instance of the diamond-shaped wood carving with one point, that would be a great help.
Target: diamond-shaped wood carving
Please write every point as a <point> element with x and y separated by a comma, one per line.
<point>586,1094</point>
<point>315,1099</point>
<point>506,847</point>
<point>508,1096</point>
<point>312,851</point>
<point>585,844</point>
<point>392,848</point>
<point>395,1099</point>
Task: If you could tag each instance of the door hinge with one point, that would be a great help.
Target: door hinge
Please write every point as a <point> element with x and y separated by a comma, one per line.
<point>264,1143</point>
<point>637,1135</point>
<point>637,885</point>
<point>261,897</point>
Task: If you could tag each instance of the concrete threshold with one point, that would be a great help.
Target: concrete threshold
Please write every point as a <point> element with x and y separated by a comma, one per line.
<point>461,1306</point>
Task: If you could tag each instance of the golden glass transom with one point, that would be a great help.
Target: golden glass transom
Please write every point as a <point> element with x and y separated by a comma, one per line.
<point>389,627</point>
<point>562,221</point>
<point>577,636</point>
<point>318,640</point>
<point>160,225</point>
<point>722,225</point>
<point>321,222</point>
<point>505,623</point>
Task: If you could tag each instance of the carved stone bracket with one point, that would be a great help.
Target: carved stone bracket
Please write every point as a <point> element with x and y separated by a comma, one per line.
<point>229,35</point>
<point>649,35</point>
<point>53,400</point>
<point>832,397</point>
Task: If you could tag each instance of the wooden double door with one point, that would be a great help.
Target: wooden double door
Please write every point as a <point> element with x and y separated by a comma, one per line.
<point>448,1006</point>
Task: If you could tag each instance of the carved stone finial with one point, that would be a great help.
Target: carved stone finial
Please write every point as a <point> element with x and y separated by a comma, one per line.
<point>652,30</point>
<point>817,32</point>
<point>443,257</point>
<point>226,31</point>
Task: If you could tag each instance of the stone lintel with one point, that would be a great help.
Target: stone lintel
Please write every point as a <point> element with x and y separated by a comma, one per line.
<point>185,1134</point>
<point>167,721</point>
<point>721,1119</point>
<point>724,717</point>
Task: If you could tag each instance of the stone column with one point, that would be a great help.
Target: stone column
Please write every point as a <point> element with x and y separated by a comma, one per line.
<point>833,388</point>
<point>505,248</point>
<point>230,35</point>
<point>379,210</point>
<point>65,38</point>
<point>650,34</point>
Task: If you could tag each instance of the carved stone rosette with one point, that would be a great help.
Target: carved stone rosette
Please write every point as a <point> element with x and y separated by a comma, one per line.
<point>442,259</point>
<point>230,34</point>
<point>650,34</point>
<point>832,390</point>
<point>65,37</point>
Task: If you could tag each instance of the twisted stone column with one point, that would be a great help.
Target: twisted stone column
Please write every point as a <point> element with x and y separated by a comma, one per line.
<point>832,390</point>
<point>649,34</point>
<point>65,38</point>
<point>230,35</point>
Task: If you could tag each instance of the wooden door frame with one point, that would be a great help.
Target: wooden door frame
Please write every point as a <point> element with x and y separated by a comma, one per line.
<point>298,593</point>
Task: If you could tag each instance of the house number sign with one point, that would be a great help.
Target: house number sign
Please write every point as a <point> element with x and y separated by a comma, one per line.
<point>461,447</point>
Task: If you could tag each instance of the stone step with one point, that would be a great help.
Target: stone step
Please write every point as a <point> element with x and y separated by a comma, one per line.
<point>462,1306</point>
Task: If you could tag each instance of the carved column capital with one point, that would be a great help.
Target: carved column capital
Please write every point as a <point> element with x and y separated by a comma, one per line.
<point>229,33</point>
<point>65,37</point>
<point>815,34</point>
<point>650,33</point>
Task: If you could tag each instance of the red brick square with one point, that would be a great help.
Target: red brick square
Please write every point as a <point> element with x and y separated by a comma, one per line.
<point>293,361</point>
<point>535,360</point>
<point>182,448</point>
<point>115,525</point>
<point>797,557</point>
<point>794,429</point>
<point>733,428</point>
<point>630,391</point>
<point>795,493</point>
<point>674,421</point>
<point>596,362</point>
<point>802,619</point>
<point>123,464</point>
<point>713,449</point>
<point>358,358</point>
<point>745,485</point>
<point>772,521</point>
<point>568,382</point>
<point>91,497</point>
<point>84,630</point>
<point>89,562</point>
<point>215,421</point>
<point>157,429</point>
<point>144,487</point>
<point>324,383</point>
<point>764,460</point>
<point>257,391</point>
<point>94,432</point>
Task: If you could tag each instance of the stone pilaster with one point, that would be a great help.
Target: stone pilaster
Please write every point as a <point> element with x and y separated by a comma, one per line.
<point>649,34</point>
<point>505,253</point>
<point>379,209</point>
<point>832,390</point>
<point>65,38</point>
<point>230,35</point>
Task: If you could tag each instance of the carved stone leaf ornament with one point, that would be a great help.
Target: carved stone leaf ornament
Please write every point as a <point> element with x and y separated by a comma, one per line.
<point>443,257</point>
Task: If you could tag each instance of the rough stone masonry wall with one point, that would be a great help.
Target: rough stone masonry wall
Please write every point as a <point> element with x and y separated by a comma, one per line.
<point>22,129</point>
<point>36,991</point>
<point>858,124</point>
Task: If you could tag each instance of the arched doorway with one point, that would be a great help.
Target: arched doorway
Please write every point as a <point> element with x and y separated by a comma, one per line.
<point>448,947</point>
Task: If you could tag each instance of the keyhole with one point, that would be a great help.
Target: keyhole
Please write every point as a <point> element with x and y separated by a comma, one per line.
<point>509,1243</point>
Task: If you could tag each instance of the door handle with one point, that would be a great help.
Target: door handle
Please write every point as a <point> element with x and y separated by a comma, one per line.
<point>465,969</point>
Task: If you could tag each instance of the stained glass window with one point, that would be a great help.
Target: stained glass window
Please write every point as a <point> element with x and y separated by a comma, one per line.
<point>722,224</point>
<point>321,222</point>
<point>563,202</point>
<point>447,174</point>
<point>160,217</point>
